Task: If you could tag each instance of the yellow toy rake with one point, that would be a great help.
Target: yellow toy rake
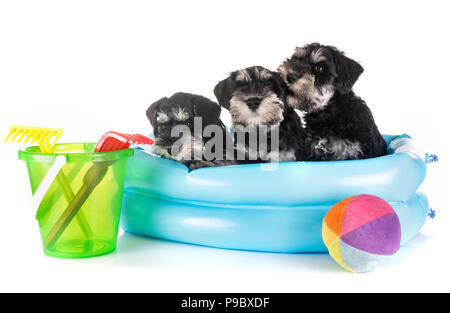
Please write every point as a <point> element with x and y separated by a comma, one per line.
<point>45,137</point>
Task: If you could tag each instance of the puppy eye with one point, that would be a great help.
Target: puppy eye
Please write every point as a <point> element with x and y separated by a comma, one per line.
<point>320,68</point>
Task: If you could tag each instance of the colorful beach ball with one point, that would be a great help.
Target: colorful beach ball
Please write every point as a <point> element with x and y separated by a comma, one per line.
<point>360,232</point>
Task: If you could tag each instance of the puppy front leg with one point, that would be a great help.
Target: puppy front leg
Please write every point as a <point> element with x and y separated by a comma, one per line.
<point>334,149</point>
<point>198,164</point>
<point>162,152</point>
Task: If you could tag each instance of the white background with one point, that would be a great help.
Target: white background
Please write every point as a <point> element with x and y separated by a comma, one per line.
<point>93,66</point>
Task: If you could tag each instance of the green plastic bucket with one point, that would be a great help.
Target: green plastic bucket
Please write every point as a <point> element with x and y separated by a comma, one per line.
<point>79,215</point>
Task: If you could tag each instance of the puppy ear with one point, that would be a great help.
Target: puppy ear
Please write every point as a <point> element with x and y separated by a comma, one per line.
<point>208,110</point>
<point>348,72</point>
<point>222,91</point>
<point>279,85</point>
<point>152,111</point>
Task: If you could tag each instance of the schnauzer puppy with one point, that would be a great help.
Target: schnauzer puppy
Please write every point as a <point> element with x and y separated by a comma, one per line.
<point>187,143</point>
<point>339,124</point>
<point>256,99</point>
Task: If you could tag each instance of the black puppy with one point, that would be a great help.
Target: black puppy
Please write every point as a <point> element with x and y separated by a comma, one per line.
<point>183,125</point>
<point>339,124</point>
<point>256,99</point>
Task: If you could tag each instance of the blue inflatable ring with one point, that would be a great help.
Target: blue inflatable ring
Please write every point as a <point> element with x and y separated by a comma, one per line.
<point>266,207</point>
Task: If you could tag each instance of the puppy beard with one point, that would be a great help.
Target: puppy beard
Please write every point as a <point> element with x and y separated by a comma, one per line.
<point>307,97</point>
<point>269,112</point>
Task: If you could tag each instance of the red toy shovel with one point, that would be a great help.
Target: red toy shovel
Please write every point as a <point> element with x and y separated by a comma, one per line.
<point>116,141</point>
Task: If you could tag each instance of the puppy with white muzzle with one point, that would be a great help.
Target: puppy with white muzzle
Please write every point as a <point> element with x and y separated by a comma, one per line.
<point>265,130</point>
<point>188,129</point>
<point>339,124</point>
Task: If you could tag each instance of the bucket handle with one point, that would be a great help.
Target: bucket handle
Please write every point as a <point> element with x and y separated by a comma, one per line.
<point>45,184</point>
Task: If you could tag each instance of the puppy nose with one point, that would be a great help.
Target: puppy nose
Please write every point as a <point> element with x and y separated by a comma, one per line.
<point>253,103</point>
<point>291,78</point>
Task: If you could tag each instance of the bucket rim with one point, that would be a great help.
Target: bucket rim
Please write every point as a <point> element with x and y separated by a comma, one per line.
<point>74,152</point>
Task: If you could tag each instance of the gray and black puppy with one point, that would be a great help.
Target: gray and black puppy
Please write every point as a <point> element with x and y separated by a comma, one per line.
<point>183,125</point>
<point>339,124</point>
<point>256,99</point>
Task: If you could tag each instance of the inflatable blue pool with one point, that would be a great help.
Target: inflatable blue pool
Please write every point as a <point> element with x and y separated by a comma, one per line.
<point>266,207</point>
